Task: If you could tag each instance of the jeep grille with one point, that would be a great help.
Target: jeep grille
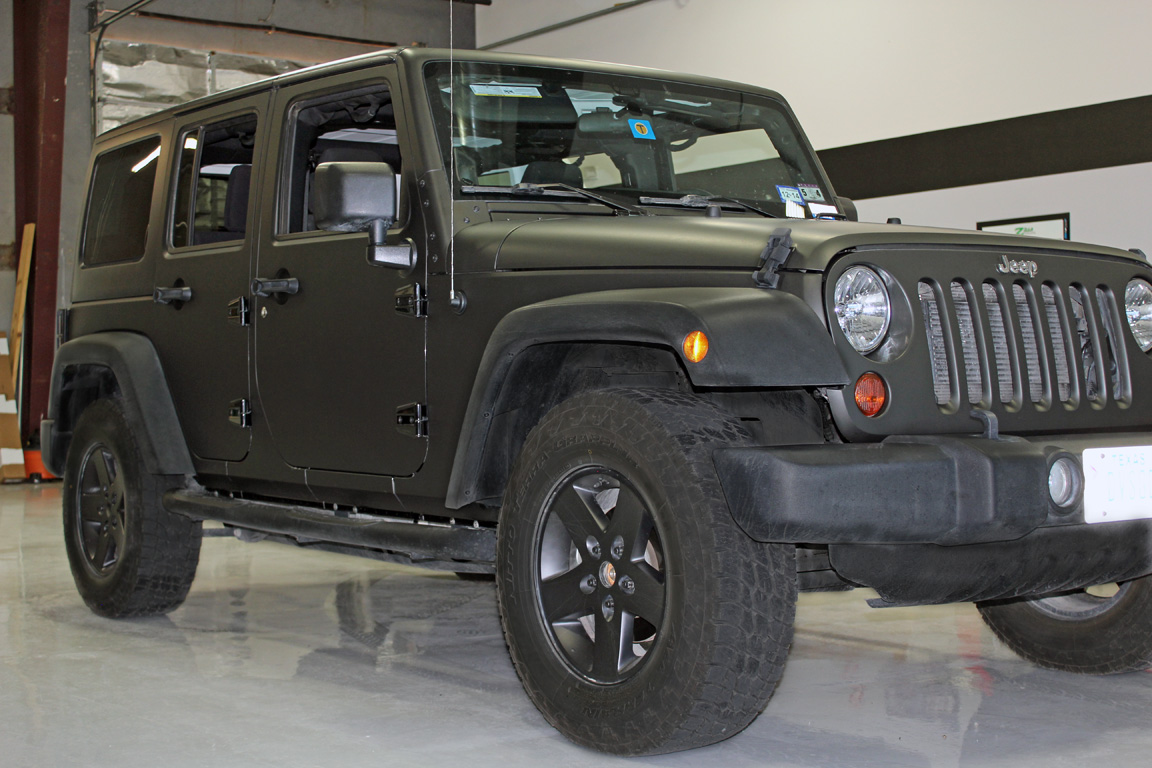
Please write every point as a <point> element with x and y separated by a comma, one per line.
<point>1011,344</point>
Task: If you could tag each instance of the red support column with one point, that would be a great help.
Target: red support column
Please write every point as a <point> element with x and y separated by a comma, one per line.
<point>40,64</point>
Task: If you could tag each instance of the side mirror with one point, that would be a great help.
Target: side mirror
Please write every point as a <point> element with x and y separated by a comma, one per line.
<point>360,197</point>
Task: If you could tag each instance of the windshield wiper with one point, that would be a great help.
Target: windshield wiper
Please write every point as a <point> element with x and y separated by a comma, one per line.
<point>703,201</point>
<point>555,189</point>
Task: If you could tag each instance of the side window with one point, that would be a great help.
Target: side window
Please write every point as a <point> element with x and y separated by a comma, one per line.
<point>355,127</point>
<point>119,203</point>
<point>212,183</point>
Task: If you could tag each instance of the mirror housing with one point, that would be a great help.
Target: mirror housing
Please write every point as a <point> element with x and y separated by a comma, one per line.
<point>848,208</point>
<point>360,197</point>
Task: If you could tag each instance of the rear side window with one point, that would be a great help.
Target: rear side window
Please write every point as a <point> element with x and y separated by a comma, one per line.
<point>213,183</point>
<point>119,204</point>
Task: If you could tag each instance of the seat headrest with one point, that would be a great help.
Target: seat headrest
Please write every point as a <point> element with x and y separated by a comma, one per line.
<point>236,198</point>
<point>350,155</point>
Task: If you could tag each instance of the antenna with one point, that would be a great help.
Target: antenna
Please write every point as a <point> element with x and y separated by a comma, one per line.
<point>451,153</point>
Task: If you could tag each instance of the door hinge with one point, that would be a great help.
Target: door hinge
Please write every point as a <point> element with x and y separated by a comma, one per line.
<point>412,420</point>
<point>62,316</point>
<point>240,413</point>
<point>238,311</point>
<point>411,300</point>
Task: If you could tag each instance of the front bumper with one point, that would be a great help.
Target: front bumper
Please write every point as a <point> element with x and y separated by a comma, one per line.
<point>936,519</point>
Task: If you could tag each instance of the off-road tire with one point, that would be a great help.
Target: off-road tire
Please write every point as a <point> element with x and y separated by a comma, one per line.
<point>1079,632</point>
<point>129,556</point>
<point>725,622</point>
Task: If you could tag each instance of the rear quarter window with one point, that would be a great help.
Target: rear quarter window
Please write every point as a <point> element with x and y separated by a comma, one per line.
<point>120,203</point>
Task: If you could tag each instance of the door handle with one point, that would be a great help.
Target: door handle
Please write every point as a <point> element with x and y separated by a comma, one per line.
<point>280,287</point>
<point>179,293</point>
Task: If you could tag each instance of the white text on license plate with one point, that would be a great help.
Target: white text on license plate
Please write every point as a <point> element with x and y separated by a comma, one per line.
<point>1117,484</point>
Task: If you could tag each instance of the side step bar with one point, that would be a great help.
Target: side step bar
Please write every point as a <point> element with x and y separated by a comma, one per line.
<point>379,537</point>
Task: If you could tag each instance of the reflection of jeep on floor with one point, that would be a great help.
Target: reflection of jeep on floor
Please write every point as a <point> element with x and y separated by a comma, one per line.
<point>610,333</point>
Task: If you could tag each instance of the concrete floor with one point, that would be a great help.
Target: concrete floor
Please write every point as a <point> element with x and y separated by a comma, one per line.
<point>282,657</point>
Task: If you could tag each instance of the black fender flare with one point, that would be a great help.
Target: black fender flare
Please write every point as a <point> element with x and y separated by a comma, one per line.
<point>132,360</point>
<point>757,338</point>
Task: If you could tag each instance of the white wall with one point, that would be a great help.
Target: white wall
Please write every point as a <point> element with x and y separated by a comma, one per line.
<point>862,70</point>
<point>1107,205</point>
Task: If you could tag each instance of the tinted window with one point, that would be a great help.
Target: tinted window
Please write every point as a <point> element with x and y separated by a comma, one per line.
<point>502,125</point>
<point>116,228</point>
<point>213,182</point>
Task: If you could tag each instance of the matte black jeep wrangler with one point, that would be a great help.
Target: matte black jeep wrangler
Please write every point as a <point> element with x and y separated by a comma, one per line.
<point>609,334</point>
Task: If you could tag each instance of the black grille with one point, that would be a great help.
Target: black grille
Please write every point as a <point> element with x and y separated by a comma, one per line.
<point>1013,345</point>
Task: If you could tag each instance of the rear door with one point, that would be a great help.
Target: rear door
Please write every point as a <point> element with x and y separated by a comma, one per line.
<point>202,340</point>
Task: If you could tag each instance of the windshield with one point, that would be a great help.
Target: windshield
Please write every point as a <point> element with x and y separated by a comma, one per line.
<point>623,136</point>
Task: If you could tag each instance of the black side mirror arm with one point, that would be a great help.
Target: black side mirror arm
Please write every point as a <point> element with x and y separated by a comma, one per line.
<point>401,256</point>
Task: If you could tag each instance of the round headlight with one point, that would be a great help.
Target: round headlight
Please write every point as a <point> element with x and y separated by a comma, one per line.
<point>862,308</point>
<point>1138,309</point>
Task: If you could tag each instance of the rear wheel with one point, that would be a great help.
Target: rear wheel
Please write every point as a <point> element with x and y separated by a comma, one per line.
<point>1098,631</point>
<point>640,619</point>
<point>129,556</point>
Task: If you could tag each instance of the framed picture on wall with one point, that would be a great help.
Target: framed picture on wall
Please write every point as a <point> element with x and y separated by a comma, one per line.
<point>1054,225</point>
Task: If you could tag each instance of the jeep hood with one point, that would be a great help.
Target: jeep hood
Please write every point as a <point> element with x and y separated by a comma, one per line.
<point>694,241</point>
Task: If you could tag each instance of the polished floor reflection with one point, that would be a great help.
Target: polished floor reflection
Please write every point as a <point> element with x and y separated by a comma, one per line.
<point>283,657</point>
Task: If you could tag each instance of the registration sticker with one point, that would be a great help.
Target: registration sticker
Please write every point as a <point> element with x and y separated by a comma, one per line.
<point>789,193</point>
<point>811,192</point>
<point>1117,484</point>
<point>507,91</point>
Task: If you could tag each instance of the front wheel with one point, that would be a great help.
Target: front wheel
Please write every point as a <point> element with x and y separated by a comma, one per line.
<point>129,556</point>
<point>639,617</point>
<point>1100,631</point>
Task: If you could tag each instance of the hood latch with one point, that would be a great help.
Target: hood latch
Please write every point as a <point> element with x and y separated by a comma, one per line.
<point>779,248</point>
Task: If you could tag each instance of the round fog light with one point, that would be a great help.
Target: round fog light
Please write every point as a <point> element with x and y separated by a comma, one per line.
<point>1064,481</point>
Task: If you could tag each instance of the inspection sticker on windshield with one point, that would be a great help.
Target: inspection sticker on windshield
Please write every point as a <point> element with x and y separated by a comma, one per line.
<point>515,91</point>
<point>642,129</point>
<point>1117,484</point>
<point>811,192</point>
<point>789,193</point>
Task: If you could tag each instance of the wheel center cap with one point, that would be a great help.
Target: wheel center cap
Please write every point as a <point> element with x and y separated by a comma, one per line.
<point>607,574</point>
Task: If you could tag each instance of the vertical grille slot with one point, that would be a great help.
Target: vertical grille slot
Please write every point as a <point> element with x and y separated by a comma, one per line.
<point>937,347</point>
<point>1116,359</point>
<point>1091,349</point>
<point>968,348</point>
<point>1033,343</point>
<point>1006,374</point>
<point>1057,325</point>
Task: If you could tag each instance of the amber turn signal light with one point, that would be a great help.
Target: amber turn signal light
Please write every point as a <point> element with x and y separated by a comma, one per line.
<point>696,346</point>
<point>871,394</point>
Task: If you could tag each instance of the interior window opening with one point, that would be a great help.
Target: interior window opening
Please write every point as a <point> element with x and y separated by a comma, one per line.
<point>355,127</point>
<point>213,183</point>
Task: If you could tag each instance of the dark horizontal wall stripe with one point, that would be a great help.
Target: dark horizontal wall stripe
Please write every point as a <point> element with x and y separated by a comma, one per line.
<point>1079,139</point>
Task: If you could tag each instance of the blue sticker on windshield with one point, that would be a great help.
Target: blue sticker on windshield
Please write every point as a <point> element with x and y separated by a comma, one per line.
<point>642,129</point>
<point>789,194</point>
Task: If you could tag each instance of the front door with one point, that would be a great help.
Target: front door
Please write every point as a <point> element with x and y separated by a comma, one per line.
<point>205,269</point>
<point>335,361</point>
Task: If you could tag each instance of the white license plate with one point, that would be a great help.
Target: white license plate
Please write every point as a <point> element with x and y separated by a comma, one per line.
<point>1117,484</point>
